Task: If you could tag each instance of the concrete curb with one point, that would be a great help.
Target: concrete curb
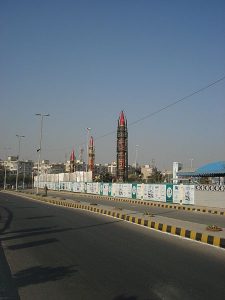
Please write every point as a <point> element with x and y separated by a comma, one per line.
<point>177,231</point>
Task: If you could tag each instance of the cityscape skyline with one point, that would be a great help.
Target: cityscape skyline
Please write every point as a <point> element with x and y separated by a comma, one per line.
<point>83,64</point>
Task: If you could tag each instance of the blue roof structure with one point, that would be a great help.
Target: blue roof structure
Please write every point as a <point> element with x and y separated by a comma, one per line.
<point>211,170</point>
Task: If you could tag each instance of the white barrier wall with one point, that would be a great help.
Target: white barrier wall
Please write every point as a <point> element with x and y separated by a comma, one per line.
<point>182,194</point>
<point>78,176</point>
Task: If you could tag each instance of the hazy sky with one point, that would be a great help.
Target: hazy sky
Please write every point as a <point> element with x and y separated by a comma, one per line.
<point>85,61</point>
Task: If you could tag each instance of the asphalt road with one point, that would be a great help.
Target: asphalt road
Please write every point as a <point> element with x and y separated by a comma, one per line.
<point>196,217</point>
<point>62,253</point>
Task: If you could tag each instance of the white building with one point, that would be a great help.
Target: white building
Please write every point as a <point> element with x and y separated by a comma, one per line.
<point>146,171</point>
<point>46,167</point>
<point>24,166</point>
<point>177,166</point>
<point>112,168</point>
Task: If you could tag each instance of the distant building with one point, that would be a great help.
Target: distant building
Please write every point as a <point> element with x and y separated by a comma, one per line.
<point>112,168</point>
<point>177,166</point>
<point>56,168</point>
<point>167,175</point>
<point>46,167</point>
<point>43,167</point>
<point>67,166</point>
<point>11,164</point>
<point>101,169</point>
<point>24,166</point>
<point>80,165</point>
<point>146,171</point>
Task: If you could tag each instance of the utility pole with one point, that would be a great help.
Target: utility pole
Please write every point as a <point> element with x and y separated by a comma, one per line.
<point>17,173</point>
<point>39,150</point>
<point>7,148</point>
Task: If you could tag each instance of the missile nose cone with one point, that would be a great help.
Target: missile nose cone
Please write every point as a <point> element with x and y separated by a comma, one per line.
<point>122,119</point>
<point>72,156</point>
<point>91,143</point>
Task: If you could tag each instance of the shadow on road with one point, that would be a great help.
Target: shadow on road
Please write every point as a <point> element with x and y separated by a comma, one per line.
<point>29,230</point>
<point>42,230</point>
<point>23,207</point>
<point>9,217</point>
<point>34,234</point>
<point>39,217</point>
<point>123,297</point>
<point>99,224</point>
<point>32,244</point>
<point>40,274</point>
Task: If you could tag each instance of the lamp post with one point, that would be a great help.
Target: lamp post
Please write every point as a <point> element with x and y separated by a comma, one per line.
<point>88,131</point>
<point>7,148</point>
<point>40,144</point>
<point>32,183</point>
<point>136,154</point>
<point>24,172</point>
<point>17,173</point>
<point>5,177</point>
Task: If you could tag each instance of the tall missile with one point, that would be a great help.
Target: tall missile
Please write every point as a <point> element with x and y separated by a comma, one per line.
<point>72,162</point>
<point>122,149</point>
<point>91,155</point>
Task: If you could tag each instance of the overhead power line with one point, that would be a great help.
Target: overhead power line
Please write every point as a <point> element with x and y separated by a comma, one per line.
<point>157,111</point>
<point>167,106</point>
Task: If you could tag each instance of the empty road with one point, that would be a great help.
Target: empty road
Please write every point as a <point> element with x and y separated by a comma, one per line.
<point>50,252</point>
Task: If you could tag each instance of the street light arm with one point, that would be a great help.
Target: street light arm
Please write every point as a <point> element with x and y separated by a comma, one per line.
<point>44,115</point>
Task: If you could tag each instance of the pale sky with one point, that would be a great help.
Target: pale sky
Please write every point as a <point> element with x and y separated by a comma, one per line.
<point>85,61</point>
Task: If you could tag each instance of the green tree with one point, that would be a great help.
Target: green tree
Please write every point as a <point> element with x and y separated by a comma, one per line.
<point>156,176</point>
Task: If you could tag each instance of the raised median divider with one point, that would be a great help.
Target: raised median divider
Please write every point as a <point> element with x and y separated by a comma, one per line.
<point>158,204</point>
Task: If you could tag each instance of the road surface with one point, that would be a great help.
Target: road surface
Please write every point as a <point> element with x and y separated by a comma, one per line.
<point>62,253</point>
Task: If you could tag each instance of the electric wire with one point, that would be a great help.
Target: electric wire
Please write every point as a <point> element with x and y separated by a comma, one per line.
<point>167,106</point>
<point>209,85</point>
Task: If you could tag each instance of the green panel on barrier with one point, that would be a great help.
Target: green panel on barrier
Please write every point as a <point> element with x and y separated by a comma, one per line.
<point>169,193</point>
<point>134,190</point>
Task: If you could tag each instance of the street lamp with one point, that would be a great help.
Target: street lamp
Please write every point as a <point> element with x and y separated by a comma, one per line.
<point>136,153</point>
<point>24,172</point>
<point>17,173</point>
<point>88,131</point>
<point>39,150</point>
<point>135,163</point>
<point>7,148</point>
